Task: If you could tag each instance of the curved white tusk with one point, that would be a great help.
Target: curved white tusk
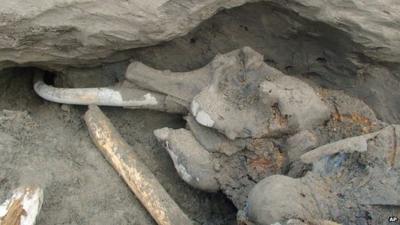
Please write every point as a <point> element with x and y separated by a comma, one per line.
<point>107,96</point>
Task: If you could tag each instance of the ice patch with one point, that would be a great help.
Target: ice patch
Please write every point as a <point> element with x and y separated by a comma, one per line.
<point>204,119</point>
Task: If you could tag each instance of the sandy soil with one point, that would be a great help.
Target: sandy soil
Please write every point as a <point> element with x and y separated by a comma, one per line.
<point>47,144</point>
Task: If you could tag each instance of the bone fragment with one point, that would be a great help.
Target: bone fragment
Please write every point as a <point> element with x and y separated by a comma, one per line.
<point>348,145</point>
<point>180,85</point>
<point>23,207</point>
<point>137,176</point>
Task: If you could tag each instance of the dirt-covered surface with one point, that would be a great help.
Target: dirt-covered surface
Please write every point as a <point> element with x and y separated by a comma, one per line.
<point>47,144</point>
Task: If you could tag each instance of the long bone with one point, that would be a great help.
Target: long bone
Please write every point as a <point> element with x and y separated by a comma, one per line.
<point>129,166</point>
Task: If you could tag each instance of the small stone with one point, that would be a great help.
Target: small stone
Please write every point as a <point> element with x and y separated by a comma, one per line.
<point>217,166</point>
<point>65,108</point>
